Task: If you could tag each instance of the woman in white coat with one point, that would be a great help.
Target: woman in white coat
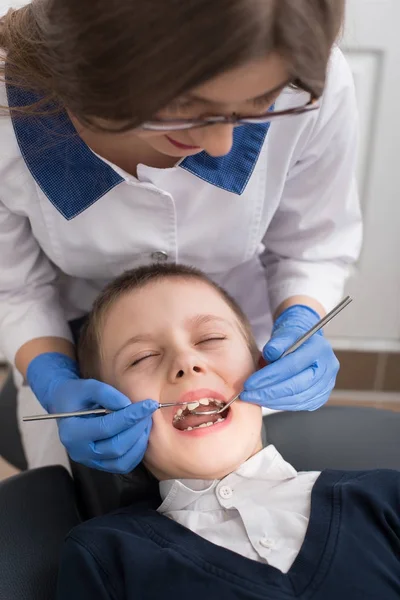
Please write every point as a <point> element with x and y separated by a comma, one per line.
<point>217,133</point>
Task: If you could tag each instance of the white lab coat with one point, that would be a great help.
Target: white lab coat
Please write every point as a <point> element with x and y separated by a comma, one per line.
<point>294,229</point>
<point>276,217</point>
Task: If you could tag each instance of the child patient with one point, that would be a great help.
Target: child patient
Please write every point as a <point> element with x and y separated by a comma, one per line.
<point>236,521</point>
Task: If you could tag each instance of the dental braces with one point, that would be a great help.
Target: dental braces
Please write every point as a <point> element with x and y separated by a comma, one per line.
<point>192,406</point>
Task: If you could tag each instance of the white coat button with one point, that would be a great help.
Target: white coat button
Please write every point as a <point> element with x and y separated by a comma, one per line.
<point>159,256</point>
<point>267,543</point>
<point>225,492</point>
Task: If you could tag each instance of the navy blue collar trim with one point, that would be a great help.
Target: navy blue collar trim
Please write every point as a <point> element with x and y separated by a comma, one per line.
<point>73,178</point>
<point>66,170</point>
<point>233,171</point>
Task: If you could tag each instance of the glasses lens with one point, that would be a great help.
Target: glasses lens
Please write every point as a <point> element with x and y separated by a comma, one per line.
<point>271,115</point>
<point>168,125</point>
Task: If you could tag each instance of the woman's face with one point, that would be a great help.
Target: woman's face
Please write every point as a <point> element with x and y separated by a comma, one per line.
<point>250,89</point>
<point>176,340</point>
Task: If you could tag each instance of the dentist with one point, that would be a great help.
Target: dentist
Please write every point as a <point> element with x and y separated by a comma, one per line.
<point>217,133</point>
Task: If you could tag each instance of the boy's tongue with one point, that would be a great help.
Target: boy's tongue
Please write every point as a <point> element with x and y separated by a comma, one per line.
<point>195,420</point>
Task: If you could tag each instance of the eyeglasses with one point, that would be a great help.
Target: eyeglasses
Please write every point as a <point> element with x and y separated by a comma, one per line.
<point>182,124</point>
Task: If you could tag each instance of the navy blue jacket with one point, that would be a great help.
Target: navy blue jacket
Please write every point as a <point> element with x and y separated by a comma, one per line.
<point>351,552</point>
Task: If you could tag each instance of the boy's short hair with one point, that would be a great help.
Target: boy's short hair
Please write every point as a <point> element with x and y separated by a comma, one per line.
<point>89,345</point>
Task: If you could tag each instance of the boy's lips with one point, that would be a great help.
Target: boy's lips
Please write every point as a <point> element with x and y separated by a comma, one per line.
<point>201,400</point>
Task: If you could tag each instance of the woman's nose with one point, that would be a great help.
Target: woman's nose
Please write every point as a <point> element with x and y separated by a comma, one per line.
<point>216,140</point>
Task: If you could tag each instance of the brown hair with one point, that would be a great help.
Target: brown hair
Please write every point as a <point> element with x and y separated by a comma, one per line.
<point>89,345</point>
<point>123,61</point>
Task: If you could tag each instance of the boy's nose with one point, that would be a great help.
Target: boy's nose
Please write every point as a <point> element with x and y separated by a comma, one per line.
<point>186,365</point>
<point>193,369</point>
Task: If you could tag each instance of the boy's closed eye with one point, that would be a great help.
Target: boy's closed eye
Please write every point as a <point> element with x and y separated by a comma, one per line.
<point>209,340</point>
<point>138,360</point>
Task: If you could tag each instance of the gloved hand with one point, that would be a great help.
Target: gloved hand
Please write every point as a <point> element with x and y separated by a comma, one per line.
<point>115,442</point>
<point>302,380</point>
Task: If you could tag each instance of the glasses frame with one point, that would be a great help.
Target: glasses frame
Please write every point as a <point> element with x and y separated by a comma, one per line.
<point>184,124</point>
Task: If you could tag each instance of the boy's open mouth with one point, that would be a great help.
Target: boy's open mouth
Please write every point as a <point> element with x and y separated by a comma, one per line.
<point>185,420</point>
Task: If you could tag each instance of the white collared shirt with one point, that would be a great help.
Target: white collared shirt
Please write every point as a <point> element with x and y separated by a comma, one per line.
<point>260,511</point>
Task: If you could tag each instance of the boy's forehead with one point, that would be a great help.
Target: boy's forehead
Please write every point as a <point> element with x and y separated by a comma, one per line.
<point>163,304</point>
<point>174,297</point>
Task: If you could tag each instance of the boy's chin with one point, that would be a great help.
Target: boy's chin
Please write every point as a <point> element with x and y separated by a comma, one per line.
<point>206,464</point>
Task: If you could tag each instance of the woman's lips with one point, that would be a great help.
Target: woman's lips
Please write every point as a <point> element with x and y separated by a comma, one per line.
<point>181,146</point>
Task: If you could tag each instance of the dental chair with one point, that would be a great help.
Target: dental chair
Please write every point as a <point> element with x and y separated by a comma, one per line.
<point>39,507</point>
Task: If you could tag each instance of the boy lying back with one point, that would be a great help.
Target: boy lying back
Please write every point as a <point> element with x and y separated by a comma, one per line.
<point>234,520</point>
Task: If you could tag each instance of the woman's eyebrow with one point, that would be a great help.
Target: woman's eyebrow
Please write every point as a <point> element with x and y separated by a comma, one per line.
<point>279,87</point>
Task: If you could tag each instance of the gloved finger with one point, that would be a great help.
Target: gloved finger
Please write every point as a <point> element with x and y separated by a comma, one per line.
<point>130,460</point>
<point>312,404</point>
<point>301,400</point>
<point>312,352</point>
<point>90,393</point>
<point>323,398</point>
<point>279,343</point>
<point>107,396</point>
<point>294,386</point>
<point>73,430</point>
<point>119,445</point>
<point>316,397</point>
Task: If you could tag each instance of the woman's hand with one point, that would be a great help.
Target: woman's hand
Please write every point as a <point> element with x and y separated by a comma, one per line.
<point>302,380</point>
<point>115,442</point>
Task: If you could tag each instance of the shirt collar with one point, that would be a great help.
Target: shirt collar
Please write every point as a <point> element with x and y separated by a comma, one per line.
<point>267,465</point>
<point>73,177</point>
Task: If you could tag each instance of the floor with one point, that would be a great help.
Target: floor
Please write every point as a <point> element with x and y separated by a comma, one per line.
<point>6,470</point>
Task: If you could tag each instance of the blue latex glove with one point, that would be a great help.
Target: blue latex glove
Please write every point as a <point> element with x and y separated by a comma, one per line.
<point>302,380</point>
<point>115,442</point>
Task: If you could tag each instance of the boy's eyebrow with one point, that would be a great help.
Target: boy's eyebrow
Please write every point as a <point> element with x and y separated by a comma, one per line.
<point>143,337</point>
<point>205,319</point>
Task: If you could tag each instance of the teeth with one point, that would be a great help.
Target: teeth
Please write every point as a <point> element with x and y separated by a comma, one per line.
<point>193,405</point>
<point>209,424</point>
<point>204,402</point>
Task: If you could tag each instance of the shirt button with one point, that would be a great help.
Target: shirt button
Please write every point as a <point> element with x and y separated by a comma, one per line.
<point>159,256</point>
<point>267,543</point>
<point>226,492</point>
